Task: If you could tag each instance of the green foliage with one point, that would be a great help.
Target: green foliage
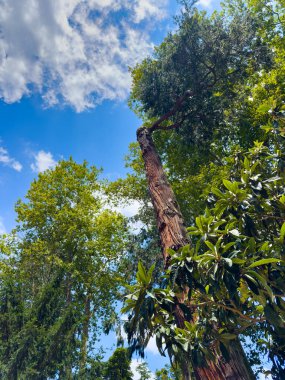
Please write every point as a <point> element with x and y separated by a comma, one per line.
<point>234,268</point>
<point>216,58</point>
<point>169,373</point>
<point>118,366</point>
<point>143,371</point>
<point>61,270</point>
<point>61,274</point>
<point>162,374</point>
<point>95,370</point>
<point>233,63</point>
<point>241,59</point>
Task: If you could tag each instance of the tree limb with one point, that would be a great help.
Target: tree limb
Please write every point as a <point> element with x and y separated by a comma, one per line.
<point>156,125</point>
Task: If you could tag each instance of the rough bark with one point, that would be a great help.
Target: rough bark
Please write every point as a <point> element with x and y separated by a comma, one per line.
<point>169,219</point>
<point>185,367</point>
<point>173,235</point>
<point>237,368</point>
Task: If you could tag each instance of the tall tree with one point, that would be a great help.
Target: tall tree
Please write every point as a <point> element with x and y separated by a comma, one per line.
<point>66,274</point>
<point>194,78</point>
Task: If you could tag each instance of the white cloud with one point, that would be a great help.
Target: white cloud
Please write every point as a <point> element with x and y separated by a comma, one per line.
<point>148,9</point>
<point>205,3</point>
<point>5,159</point>
<point>152,347</point>
<point>129,209</point>
<point>74,52</point>
<point>265,377</point>
<point>2,227</point>
<point>134,365</point>
<point>43,161</point>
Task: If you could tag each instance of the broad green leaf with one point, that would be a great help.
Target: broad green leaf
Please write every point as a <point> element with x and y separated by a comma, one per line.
<point>217,192</point>
<point>142,274</point>
<point>282,232</point>
<point>227,336</point>
<point>264,262</point>
<point>228,246</point>
<point>273,317</point>
<point>150,272</point>
<point>263,281</point>
<point>199,223</point>
<point>246,163</point>
<point>210,245</point>
<point>229,185</point>
<point>236,260</point>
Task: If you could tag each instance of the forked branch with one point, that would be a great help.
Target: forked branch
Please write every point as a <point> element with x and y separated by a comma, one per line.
<point>179,102</point>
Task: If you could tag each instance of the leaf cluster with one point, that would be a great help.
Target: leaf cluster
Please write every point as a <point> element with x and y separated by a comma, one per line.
<point>233,269</point>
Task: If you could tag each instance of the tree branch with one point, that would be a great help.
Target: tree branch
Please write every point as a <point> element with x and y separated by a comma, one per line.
<point>157,124</point>
<point>167,127</point>
<point>179,102</point>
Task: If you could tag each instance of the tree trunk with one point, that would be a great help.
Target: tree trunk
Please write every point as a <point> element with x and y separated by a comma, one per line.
<point>68,295</point>
<point>84,338</point>
<point>169,219</point>
<point>173,235</point>
<point>237,368</point>
<point>186,370</point>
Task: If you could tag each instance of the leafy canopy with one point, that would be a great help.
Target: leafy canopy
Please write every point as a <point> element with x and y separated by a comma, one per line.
<point>60,275</point>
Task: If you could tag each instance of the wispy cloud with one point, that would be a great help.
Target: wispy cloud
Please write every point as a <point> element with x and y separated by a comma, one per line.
<point>130,210</point>
<point>134,365</point>
<point>2,227</point>
<point>43,161</point>
<point>265,377</point>
<point>7,160</point>
<point>73,52</point>
<point>205,3</point>
<point>152,347</point>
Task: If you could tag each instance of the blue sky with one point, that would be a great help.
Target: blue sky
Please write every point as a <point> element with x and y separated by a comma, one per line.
<point>64,83</point>
<point>62,96</point>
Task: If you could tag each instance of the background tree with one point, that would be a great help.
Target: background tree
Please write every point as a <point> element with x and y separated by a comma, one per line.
<point>62,274</point>
<point>172,372</point>
<point>143,371</point>
<point>119,366</point>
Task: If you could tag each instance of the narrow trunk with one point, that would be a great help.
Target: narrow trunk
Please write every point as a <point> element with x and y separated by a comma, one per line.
<point>68,296</point>
<point>173,235</point>
<point>84,338</point>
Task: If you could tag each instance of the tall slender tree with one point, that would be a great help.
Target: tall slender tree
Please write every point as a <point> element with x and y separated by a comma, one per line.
<point>173,236</point>
<point>194,77</point>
